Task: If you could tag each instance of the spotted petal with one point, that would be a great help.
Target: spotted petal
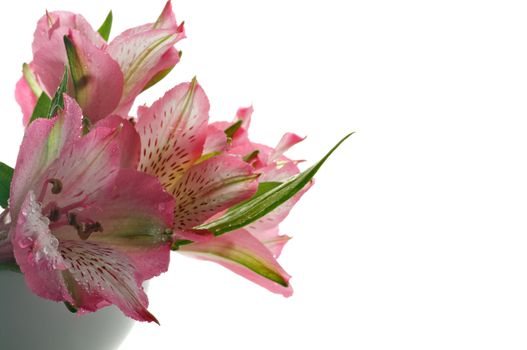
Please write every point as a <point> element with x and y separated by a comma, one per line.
<point>173,132</point>
<point>211,187</point>
<point>99,275</point>
<point>240,252</point>
<point>135,216</point>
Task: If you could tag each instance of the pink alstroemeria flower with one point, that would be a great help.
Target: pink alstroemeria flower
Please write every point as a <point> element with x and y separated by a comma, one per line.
<point>87,227</point>
<point>261,237</point>
<point>205,183</point>
<point>108,76</point>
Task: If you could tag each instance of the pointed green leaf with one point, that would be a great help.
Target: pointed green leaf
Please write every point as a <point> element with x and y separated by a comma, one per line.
<point>41,107</point>
<point>58,99</point>
<point>261,205</point>
<point>106,27</point>
<point>6,175</point>
<point>263,187</point>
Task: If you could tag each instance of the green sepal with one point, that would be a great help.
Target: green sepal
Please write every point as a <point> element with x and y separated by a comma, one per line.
<point>79,76</point>
<point>58,99</point>
<point>6,175</point>
<point>41,107</point>
<point>250,157</point>
<point>231,130</point>
<point>10,266</point>
<point>259,206</point>
<point>157,78</point>
<point>70,307</point>
<point>106,27</point>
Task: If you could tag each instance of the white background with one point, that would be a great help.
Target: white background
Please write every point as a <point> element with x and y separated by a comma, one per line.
<point>414,236</point>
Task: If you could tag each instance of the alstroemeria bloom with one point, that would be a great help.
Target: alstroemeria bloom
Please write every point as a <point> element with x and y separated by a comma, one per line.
<point>262,237</point>
<point>106,78</point>
<point>174,148</point>
<point>87,227</point>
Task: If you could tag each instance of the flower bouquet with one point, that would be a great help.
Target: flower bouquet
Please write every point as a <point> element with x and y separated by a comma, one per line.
<point>99,198</point>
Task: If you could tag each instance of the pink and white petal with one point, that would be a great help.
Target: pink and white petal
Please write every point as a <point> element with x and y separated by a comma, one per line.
<point>136,215</point>
<point>173,132</point>
<point>278,173</point>
<point>272,239</point>
<point>287,141</point>
<point>210,187</point>
<point>216,140</point>
<point>130,142</point>
<point>44,140</point>
<point>140,57</point>
<point>25,98</point>
<point>99,82</point>
<point>104,275</point>
<point>166,19</point>
<point>243,254</point>
<point>244,114</point>
<point>37,251</point>
<point>89,165</point>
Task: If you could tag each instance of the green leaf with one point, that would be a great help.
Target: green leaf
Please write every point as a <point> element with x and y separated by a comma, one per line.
<point>6,175</point>
<point>106,27</point>
<point>263,187</point>
<point>58,99</point>
<point>10,266</point>
<point>258,206</point>
<point>41,108</point>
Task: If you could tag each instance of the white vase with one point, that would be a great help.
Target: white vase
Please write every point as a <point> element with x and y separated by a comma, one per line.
<point>28,322</point>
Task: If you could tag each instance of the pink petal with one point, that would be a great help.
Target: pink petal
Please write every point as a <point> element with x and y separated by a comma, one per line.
<point>272,239</point>
<point>100,275</point>
<point>145,51</point>
<point>36,251</point>
<point>287,141</point>
<point>43,142</point>
<point>130,141</point>
<point>49,63</point>
<point>166,19</point>
<point>135,213</point>
<point>89,165</point>
<point>173,132</point>
<point>100,86</point>
<point>244,114</point>
<point>210,187</point>
<point>216,140</point>
<point>245,255</point>
<point>25,98</point>
<point>59,23</point>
